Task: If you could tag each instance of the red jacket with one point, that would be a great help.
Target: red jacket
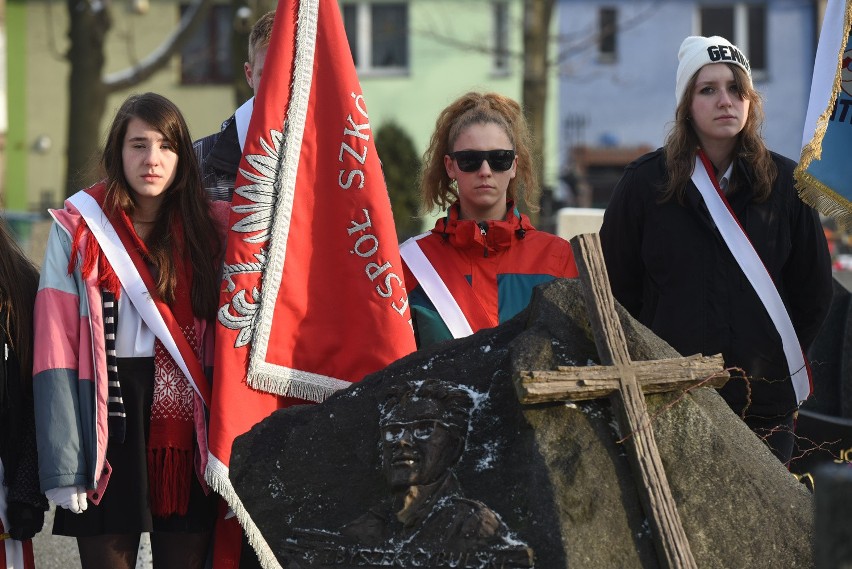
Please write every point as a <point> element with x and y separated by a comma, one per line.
<point>490,269</point>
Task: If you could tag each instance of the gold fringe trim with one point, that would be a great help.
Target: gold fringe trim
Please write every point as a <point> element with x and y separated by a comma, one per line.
<point>825,200</point>
<point>811,190</point>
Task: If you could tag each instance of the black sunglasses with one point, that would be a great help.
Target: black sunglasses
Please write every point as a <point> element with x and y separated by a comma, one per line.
<point>471,160</point>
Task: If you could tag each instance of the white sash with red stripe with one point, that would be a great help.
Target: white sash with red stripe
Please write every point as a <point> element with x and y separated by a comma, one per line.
<point>752,265</point>
<point>132,282</point>
<point>434,287</point>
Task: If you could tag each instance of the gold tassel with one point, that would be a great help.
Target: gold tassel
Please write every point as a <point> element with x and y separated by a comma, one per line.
<point>811,190</point>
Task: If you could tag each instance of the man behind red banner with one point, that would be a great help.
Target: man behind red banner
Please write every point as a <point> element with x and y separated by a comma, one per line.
<point>313,296</point>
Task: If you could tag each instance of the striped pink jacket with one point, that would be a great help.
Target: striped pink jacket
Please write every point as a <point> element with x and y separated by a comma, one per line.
<point>69,368</point>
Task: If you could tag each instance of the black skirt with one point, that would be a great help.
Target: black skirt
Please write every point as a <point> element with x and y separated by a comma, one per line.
<point>124,508</point>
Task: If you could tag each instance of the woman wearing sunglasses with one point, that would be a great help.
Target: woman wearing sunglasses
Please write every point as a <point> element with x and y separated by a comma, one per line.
<point>478,266</point>
<point>707,243</point>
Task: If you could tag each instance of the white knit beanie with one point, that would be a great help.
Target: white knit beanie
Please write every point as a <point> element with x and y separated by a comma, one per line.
<point>697,51</point>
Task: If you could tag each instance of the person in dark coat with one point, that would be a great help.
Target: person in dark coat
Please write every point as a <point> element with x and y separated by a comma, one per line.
<point>22,504</point>
<point>708,244</point>
<point>219,154</point>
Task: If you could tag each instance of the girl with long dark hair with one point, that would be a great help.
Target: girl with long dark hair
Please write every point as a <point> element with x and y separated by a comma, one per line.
<point>125,314</point>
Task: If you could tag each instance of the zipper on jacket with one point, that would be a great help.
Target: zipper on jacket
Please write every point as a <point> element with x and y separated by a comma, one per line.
<point>483,230</point>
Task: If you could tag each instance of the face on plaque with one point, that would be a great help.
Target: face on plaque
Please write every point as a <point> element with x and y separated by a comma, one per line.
<point>423,427</point>
<point>418,444</point>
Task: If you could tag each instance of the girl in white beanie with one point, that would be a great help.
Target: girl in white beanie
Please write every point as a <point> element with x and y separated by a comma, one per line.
<point>708,244</point>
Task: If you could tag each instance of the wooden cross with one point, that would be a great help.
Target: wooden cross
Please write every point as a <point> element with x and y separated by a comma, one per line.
<point>625,382</point>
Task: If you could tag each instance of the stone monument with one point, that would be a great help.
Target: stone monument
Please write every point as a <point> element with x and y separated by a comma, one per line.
<point>551,481</point>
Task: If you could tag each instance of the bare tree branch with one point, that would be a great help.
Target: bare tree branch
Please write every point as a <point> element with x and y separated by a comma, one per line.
<point>90,22</point>
<point>572,45</point>
<point>158,58</point>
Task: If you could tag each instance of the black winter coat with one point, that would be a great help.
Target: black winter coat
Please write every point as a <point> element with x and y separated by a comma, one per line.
<point>26,503</point>
<point>670,268</point>
<point>219,156</point>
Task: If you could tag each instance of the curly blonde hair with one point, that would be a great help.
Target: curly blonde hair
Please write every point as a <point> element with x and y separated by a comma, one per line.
<point>469,109</point>
<point>682,141</point>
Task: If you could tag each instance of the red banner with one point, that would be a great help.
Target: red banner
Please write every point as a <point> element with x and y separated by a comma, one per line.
<point>313,295</point>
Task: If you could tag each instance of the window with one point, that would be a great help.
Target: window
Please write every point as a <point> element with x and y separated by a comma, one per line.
<point>378,36</point>
<point>501,37</point>
<point>205,58</point>
<point>607,35</point>
<point>742,24</point>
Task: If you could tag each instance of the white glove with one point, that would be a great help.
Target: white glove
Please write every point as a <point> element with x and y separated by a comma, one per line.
<point>69,497</point>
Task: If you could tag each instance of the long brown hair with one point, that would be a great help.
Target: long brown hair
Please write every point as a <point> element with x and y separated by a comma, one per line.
<point>469,109</point>
<point>682,141</point>
<point>18,287</point>
<point>184,200</point>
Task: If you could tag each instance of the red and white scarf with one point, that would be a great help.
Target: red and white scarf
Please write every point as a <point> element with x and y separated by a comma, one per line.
<point>170,443</point>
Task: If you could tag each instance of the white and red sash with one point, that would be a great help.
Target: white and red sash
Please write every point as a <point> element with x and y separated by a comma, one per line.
<point>242,119</point>
<point>434,287</point>
<point>449,291</point>
<point>752,266</point>
<point>138,283</point>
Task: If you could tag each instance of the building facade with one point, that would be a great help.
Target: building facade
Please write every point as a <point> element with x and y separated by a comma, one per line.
<point>413,58</point>
<point>618,61</point>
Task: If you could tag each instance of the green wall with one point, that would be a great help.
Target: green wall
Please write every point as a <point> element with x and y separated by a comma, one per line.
<point>46,85</point>
<point>15,184</point>
<point>449,56</point>
<point>446,60</point>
